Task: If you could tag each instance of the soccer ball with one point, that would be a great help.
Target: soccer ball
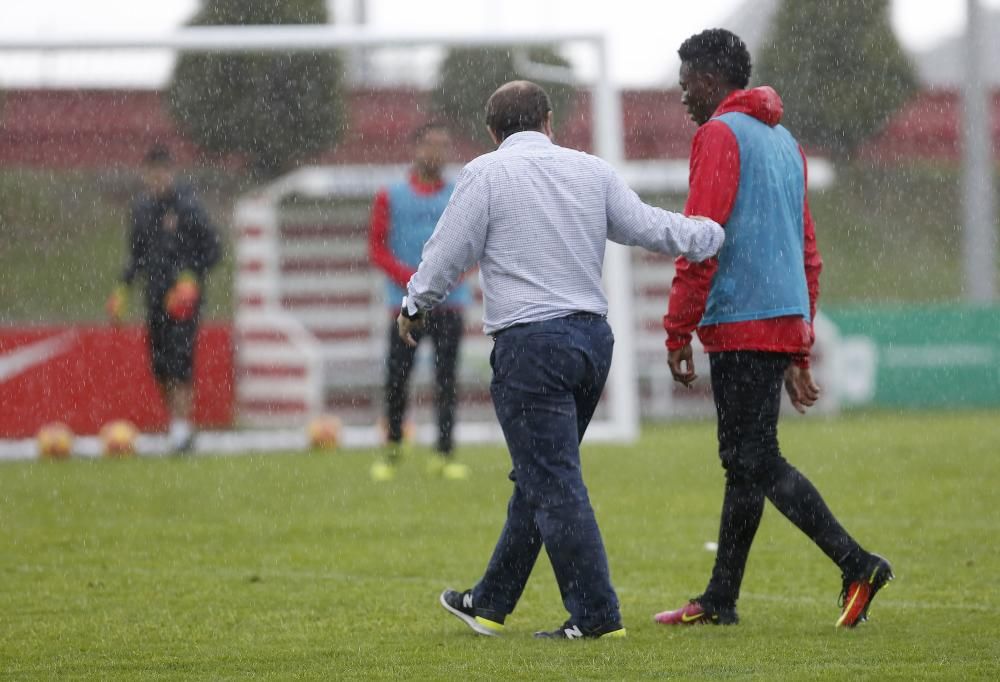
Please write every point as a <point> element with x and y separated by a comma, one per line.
<point>118,438</point>
<point>324,432</point>
<point>55,441</point>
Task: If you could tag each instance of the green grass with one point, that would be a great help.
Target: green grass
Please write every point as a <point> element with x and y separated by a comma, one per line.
<point>62,247</point>
<point>890,235</point>
<point>62,244</point>
<point>295,566</point>
<point>886,235</point>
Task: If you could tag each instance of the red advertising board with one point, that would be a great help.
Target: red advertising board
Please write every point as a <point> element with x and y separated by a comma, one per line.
<point>86,376</point>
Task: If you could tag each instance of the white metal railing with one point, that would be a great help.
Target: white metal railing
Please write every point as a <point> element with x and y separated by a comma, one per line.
<point>305,351</point>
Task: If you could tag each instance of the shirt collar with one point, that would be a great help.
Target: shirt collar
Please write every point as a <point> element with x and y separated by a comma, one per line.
<point>526,138</point>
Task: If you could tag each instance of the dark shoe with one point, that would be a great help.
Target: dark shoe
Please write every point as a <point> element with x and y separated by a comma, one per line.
<point>571,631</point>
<point>859,591</point>
<point>694,613</point>
<point>483,622</point>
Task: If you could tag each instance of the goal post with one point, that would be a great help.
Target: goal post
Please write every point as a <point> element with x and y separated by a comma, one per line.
<point>618,419</point>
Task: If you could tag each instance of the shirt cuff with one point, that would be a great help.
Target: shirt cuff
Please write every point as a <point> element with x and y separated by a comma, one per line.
<point>410,307</point>
<point>677,341</point>
<point>801,361</point>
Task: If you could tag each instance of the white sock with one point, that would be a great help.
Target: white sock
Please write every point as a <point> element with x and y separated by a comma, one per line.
<point>180,431</point>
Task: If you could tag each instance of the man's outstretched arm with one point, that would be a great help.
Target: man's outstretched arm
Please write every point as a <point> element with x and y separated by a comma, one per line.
<point>635,223</point>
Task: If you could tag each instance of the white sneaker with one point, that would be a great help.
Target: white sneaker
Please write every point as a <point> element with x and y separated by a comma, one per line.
<point>181,436</point>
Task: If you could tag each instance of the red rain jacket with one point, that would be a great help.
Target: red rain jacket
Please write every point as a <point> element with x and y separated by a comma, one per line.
<point>714,182</point>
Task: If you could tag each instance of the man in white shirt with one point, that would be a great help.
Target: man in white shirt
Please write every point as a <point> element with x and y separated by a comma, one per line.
<point>536,218</point>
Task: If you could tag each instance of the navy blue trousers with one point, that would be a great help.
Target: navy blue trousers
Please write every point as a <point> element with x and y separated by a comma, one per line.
<point>547,380</point>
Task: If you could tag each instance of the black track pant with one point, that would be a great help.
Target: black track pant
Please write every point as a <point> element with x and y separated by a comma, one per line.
<point>747,389</point>
<point>444,326</point>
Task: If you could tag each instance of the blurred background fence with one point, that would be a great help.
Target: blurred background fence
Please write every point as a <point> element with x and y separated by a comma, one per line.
<point>886,130</point>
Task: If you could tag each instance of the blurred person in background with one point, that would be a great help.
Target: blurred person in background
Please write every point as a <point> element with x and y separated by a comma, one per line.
<point>172,245</point>
<point>403,218</point>
<point>753,308</point>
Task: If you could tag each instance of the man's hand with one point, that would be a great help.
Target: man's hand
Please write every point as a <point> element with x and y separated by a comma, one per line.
<point>718,235</point>
<point>116,304</point>
<point>407,327</point>
<point>681,362</point>
<point>801,388</point>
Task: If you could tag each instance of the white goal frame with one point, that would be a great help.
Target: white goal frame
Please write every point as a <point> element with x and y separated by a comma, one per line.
<point>622,425</point>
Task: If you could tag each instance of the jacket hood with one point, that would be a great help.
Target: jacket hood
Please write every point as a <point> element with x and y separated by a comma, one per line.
<point>763,103</point>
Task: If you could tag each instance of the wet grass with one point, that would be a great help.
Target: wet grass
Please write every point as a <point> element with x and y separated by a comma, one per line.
<point>296,566</point>
<point>890,235</point>
<point>886,235</point>
<point>62,246</point>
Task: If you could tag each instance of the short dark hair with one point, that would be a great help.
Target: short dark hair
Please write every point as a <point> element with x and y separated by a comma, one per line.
<point>158,155</point>
<point>719,50</point>
<point>517,106</point>
<point>421,131</point>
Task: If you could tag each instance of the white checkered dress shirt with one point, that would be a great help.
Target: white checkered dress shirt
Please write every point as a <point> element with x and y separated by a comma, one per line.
<point>536,217</point>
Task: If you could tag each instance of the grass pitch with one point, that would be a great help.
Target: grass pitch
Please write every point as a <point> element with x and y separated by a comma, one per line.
<point>296,566</point>
<point>886,234</point>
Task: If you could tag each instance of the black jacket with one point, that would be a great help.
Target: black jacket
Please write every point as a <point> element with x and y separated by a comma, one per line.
<point>160,254</point>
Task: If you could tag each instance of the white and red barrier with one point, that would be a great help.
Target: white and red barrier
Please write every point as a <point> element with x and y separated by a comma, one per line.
<point>311,325</point>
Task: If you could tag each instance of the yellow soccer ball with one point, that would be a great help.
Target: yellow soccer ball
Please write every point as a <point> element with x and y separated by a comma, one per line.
<point>118,438</point>
<point>324,432</point>
<point>55,441</point>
